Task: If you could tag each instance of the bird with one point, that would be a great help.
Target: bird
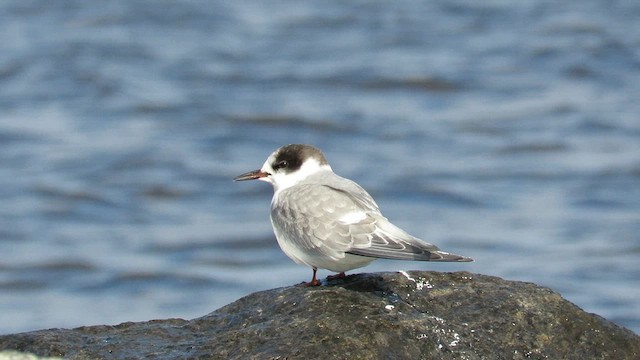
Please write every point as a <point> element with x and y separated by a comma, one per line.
<point>325,221</point>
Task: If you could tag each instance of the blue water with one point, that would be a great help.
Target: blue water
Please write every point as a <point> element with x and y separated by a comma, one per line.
<point>504,131</point>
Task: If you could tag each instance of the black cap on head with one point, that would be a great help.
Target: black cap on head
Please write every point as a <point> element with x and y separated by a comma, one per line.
<point>291,157</point>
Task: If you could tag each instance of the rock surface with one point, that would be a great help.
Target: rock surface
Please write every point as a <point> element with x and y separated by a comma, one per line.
<point>414,315</point>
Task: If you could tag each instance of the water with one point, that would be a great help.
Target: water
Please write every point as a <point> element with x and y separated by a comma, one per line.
<point>503,131</point>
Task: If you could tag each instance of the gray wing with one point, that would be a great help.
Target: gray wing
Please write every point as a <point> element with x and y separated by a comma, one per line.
<point>390,242</point>
<point>341,217</point>
<point>311,214</point>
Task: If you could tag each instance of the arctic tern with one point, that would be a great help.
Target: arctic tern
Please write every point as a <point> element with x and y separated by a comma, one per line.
<point>325,221</point>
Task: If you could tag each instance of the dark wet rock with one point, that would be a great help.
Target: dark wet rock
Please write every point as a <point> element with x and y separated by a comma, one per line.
<point>415,315</point>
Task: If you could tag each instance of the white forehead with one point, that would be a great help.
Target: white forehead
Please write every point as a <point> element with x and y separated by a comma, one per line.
<point>270,160</point>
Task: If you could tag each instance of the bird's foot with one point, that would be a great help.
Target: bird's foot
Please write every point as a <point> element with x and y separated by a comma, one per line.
<point>314,282</point>
<point>337,276</point>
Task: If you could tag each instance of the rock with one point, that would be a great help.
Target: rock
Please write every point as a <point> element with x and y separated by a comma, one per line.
<point>415,315</point>
<point>17,355</point>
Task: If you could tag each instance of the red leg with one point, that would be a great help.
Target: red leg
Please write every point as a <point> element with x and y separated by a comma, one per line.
<point>336,276</point>
<point>314,281</point>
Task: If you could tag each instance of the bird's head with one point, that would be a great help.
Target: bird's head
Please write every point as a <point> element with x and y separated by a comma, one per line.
<point>289,165</point>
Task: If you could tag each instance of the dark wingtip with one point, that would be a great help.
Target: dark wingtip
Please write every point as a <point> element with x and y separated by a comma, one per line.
<point>445,256</point>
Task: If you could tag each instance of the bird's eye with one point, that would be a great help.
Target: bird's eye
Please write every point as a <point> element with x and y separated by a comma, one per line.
<point>281,164</point>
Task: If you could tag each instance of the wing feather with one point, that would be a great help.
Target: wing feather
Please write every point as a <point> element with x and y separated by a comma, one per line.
<point>331,220</point>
